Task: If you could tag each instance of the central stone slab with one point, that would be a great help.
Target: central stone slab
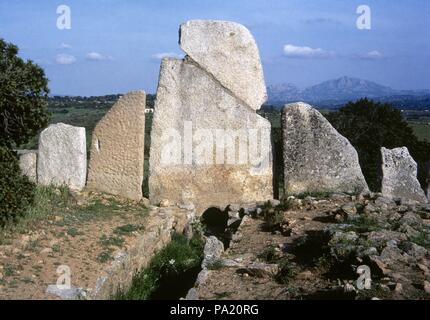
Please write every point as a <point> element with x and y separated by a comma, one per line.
<point>208,147</point>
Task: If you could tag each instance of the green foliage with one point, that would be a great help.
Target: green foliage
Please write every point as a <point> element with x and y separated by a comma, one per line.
<point>176,258</point>
<point>16,191</point>
<point>364,223</point>
<point>23,97</point>
<point>274,217</point>
<point>285,273</point>
<point>269,255</point>
<point>370,126</point>
<point>216,265</point>
<point>127,229</point>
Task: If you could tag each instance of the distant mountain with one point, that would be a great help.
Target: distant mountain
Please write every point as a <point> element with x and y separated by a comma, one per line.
<point>337,91</point>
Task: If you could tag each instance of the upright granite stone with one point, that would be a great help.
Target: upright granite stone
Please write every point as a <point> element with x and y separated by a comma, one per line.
<point>399,176</point>
<point>62,156</point>
<point>28,163</point>
<point>227,51</point>
<point>316,157</point>
<point>428,179</point>
<point>208,147</point>
<point>117,151</point>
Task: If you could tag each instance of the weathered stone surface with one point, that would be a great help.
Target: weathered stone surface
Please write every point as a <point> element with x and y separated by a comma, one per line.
<point>62,156</point>
<point>316,157</point>
<point>399,175</point>
<point>194,116</point>
<point>427,168</point>
<point>28,163</point>
<point>227,51</point>
<point>212,251</point>
<point>117,151</point>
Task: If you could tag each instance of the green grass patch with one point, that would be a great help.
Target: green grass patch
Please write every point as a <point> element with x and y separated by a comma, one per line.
<point>128,229</point>
<point>363,223</point>
<point>111,241</point>
<point>179,256</point>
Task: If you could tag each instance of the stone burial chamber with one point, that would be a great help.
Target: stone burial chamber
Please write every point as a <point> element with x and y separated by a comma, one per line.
<point>209,147</point>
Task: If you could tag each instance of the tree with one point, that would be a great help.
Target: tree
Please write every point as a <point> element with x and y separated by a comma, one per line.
<point>370,126</point>
<point>23,97</point>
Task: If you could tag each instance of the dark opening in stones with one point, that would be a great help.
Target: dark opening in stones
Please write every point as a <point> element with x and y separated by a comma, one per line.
<point>215,221</point>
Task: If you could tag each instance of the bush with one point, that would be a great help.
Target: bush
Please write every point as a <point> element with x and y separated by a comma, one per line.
<point>23,97</point>
<point>370,126</point>
<point>16,191</point>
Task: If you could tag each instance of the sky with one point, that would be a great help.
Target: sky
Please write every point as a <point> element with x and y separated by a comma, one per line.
<point>115,46</point>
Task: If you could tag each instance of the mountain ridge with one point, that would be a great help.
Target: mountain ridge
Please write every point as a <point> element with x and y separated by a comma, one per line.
<point>337,91</point>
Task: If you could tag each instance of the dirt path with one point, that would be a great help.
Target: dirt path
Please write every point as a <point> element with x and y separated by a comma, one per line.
<point>253,242</point>
<point>84,238</point>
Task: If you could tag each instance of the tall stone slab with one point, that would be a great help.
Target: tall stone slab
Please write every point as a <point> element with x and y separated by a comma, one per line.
<point>62,156</point>
<point>399,176</point>
<point>208,147</point>
<point>28,163</point>
<point>117,151</point>
<point>228,52</point>
<point>428,180</point>
<point>316,157</point>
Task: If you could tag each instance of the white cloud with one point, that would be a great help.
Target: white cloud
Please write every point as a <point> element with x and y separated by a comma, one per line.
<point>95,56</point>
<point>65,59</point>
<point>293,51</point>
<point>162,55</point>
<point>65,46</point>
<point>373,55</point>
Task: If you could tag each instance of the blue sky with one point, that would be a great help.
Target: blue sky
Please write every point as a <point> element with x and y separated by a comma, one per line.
<point>114,46</point>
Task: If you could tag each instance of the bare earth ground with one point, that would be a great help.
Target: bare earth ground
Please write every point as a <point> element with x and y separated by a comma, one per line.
<point>82,236</point>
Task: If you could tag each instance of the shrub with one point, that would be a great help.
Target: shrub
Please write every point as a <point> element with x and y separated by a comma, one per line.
<point>23,97</point>
<point>16,191</point>
<point>369,126</point>
<point>273,218</point>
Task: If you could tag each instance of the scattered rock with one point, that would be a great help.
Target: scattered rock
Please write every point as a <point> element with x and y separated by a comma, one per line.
<point>259,269</point>
<point>427,286</point>
<point>66,293</point>
<point>192,295</point>
<point>212,251</point>
<point>349,209</point>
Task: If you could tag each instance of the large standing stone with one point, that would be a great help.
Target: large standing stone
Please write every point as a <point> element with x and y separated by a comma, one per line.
<point>227,51</point>
<point>399,175</point>
<point>428,179</point>
<point>62,156</point>
<point>28,163</point>
<point>204,148</point>
<point>316,157</point>
<point>117,151</point>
